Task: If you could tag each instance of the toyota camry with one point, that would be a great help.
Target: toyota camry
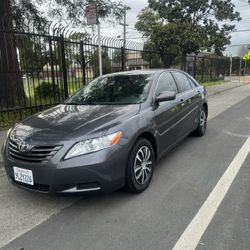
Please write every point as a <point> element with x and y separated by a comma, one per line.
<point>108,135</point>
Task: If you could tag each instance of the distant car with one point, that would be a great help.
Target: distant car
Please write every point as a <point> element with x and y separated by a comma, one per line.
<point>108,135</point>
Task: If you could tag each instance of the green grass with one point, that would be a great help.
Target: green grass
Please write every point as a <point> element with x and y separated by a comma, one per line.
<point>31,84</point>
<point>7,119</point>
<point>213,83</point>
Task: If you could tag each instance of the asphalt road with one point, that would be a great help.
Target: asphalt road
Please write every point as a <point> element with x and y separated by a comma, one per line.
<point>157,218</point>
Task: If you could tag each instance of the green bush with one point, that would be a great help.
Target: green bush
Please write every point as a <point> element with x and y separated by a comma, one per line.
<point>45,90</point>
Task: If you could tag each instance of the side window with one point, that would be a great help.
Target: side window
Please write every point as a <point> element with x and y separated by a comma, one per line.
<point>166,83</point>
<point>182,81</point>
<point>192,83</point>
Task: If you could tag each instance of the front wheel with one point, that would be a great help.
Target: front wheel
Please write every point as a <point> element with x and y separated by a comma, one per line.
<point>202,126</point>
<point>140,166</point>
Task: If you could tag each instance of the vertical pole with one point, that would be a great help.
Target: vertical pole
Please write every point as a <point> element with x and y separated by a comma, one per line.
<point>124,29</point>
<point>123,58</point>
<point>211,69</point>
<point>99,49</point>
<point>245,68</point>
<point>224,68</point>
<point>202,69</point>
<point>150,59</point>
<point>124,39</point>
<point>240,69</point>
<point>52,68</point>
<point>231,66</point>
<point>83,62</point>
<point>195,59</point>
<point>64,68</point>
<point>123,49</point>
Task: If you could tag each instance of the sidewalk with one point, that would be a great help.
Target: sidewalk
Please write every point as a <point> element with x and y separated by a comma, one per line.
<point>216,89</point>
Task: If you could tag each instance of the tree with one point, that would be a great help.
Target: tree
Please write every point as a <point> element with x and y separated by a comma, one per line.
<point>150,56</point>
<point>31,53</point>
<point>72,12</point>
<point>11,88</point>
<point>184,26</point>
<point>26,16</point>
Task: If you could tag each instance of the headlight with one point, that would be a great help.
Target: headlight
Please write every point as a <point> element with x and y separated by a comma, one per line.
<point>93,145</point>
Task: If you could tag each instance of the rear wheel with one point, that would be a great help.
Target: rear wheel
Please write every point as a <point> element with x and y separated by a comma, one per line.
<point>202,126</point>
<point>140,166</point>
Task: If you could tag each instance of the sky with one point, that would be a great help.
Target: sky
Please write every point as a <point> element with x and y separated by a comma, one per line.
<point>242,6</point>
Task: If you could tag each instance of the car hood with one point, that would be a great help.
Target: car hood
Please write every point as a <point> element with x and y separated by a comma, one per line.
<point>69,121</point>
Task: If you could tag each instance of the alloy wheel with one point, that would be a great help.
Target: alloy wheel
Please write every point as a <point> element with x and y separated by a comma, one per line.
<point>203,120</point>
<point>143,165</point>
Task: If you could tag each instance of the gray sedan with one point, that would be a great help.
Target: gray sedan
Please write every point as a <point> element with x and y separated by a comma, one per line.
<point>108,135</point>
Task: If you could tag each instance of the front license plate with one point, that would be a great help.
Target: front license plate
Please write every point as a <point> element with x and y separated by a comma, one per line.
<point>23,175</point>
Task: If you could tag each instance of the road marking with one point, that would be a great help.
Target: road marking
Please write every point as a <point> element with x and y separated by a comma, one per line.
<point>193,233</point>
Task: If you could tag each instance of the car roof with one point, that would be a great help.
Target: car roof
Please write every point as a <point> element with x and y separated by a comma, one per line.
<point>142,72</point>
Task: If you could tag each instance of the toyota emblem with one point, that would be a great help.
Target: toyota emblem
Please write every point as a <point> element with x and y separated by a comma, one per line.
<point>22,146</point>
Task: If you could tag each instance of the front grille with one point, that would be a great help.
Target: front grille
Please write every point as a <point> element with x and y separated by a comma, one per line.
<point>36,154</point>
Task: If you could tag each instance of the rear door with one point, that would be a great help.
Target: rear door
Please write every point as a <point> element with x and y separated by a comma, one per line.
<point>189,99</point>
<point>167,114</point>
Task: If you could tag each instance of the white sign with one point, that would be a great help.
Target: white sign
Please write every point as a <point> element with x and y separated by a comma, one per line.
<point>91,15</point>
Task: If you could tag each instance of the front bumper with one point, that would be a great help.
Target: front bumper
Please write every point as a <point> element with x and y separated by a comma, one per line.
<point>102,171</point>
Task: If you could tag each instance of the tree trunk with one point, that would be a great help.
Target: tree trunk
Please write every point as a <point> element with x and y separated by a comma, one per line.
<point>11,84</point>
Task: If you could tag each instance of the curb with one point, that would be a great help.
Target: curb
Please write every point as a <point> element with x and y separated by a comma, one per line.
<point>224,90</point>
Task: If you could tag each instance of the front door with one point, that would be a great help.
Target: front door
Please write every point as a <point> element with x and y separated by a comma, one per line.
<point>167,114</point>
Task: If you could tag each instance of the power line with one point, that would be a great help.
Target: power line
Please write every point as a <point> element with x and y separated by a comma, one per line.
<point>236,45</point>
<point>240,31</point>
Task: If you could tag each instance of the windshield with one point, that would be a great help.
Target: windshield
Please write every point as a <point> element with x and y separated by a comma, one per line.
<point>114,90</point>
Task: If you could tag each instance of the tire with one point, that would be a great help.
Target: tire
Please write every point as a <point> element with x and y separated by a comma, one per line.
<point>138,173</point>
<point>202,126</point>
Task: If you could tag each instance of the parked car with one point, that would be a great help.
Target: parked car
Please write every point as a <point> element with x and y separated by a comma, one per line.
<point>108,135</point>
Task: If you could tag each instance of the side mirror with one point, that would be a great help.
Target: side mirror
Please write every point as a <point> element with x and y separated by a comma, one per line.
<point>166,96</point>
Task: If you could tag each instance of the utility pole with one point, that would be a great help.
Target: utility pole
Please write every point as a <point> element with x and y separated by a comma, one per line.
<point>124,29</point>
<point>124,24</point>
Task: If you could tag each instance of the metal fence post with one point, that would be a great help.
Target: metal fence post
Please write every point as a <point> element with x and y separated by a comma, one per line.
<point>202,69</point>
<point>150,59</point>
<point>224,68</point>
<point>195,57</point>
<point>211,69</point>
<point>83,62</point>
<point>240,69</point>
<point>52,68</point>
<point>123,58</point>
<point>64,68</point>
